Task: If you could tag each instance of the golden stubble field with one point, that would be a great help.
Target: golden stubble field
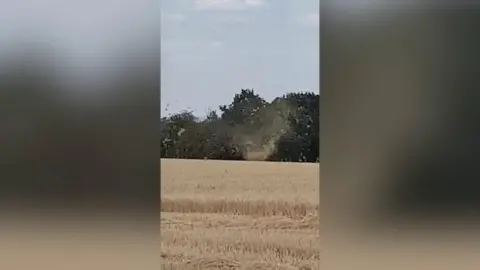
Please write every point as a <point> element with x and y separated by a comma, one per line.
<point>239,215</point>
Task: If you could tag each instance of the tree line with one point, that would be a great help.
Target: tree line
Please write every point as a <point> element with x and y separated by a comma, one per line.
<point>249,128</point>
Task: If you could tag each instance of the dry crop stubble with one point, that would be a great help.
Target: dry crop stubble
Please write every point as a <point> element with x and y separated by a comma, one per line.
<point>239,215</point>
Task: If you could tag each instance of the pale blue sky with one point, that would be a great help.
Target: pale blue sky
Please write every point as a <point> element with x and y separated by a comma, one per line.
<point>213,48</point>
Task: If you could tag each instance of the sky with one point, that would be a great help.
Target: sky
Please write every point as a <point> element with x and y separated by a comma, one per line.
<point>211,49</point>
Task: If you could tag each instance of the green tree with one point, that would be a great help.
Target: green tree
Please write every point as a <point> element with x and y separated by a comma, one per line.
<point>243,109</point>
<point>289,124</point>
<point>302,141</point>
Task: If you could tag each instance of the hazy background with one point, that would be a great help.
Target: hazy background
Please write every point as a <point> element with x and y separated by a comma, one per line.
<point>79,103</point>
<point>399,135</point>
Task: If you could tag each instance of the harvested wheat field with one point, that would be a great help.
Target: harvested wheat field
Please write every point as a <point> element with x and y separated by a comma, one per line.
<point>239,215</point>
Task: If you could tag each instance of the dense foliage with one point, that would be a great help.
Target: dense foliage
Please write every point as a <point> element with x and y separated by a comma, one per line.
<point>249,128</point>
